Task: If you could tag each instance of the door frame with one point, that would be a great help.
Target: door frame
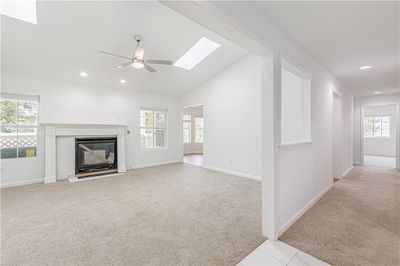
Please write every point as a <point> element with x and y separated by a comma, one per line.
<point>397,134</point>
<point>335,94</point>
<point>182,145</point>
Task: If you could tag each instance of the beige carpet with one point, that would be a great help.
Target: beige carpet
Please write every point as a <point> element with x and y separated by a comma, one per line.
<point>167,215</point>
<point>355,223</point>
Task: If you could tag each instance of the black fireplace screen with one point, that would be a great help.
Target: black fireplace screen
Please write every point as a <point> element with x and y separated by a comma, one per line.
<point>95,154</point>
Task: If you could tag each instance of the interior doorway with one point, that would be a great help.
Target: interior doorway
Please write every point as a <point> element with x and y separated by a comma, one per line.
<point>193,135</point>
<point>337,141</point>
<point>380,135</point>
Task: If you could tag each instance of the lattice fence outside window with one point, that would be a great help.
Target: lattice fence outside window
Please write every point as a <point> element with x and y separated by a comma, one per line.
<point>19,126</point>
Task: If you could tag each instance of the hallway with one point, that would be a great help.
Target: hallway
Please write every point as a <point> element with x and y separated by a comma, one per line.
<point>384,161</point>
<point>355,223</point>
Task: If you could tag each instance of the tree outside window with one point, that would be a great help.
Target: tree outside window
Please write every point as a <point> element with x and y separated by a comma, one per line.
<point>377,126</point>
<point>19,126</point>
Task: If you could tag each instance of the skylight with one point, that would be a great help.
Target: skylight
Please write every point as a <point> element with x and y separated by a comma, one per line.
<point>24,10</point>
<point>203,48</point>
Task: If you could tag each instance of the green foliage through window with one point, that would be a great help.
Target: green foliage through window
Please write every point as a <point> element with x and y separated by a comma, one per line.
<point>19,127</point>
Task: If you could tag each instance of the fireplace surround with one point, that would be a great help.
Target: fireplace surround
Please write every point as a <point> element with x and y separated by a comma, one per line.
<point>53,130</point>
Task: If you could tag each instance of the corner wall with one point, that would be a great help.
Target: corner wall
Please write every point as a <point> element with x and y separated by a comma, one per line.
<point>232,118</point>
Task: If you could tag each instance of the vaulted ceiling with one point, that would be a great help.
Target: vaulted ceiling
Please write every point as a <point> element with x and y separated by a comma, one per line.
<point>68,35</point>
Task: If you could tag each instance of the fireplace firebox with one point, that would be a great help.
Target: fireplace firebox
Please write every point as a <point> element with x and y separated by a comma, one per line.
<point>95,156</point>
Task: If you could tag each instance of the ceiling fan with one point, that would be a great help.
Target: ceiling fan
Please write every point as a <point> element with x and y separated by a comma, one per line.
<point>138,61</point>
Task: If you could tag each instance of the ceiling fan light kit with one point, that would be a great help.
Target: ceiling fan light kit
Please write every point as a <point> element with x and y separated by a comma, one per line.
<point>137,64</point>
<point>138,61</point>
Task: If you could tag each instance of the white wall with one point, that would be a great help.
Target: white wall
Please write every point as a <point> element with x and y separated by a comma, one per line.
<point>337,129</point>
<point>359,104</point>
<point>384,146</point>
<point>232,117</point>
<point>302,172</point>
<point>193,147</point>
<point>76,103</point>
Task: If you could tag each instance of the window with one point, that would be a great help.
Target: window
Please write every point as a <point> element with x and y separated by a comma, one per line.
<point>187,129</point>
<point>153,128</point>
<point>198,122</point>
<point>19,126</point>
<point>376,126</point>
<point>295,105</point>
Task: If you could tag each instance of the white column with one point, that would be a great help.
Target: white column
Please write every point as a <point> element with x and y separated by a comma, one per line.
<point>121,150</point>
<point>50,155</point>
<point>270,128</point>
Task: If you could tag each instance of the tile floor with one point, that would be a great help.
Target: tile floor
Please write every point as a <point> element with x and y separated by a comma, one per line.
<point>278,253</point>
<point>383,161</point>
<point>196,159</point>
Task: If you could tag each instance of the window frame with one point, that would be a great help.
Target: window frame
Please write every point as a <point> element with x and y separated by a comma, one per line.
<point>305,102</point>
<point>189,129</point>
<point>153,128</point>
<point>373,126</point>
<point>25,97</point>
<point>196,129</point>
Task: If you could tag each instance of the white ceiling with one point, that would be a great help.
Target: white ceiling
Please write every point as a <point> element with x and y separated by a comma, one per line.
<point>344,35</point>
<point>68,35</point>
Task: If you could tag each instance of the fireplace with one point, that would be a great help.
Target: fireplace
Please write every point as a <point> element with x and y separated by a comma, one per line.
<point>95,156</point>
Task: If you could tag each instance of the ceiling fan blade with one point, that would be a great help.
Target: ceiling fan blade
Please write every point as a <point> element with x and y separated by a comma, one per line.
<point>123,65</point>
<point>149,68</point>
<point>116,55</point>
<point>139,52</point>
<point>159,62</point>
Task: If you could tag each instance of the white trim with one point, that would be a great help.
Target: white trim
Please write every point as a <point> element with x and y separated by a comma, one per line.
<point>290,145</point>
<point>357,163</point>
<point>216,169</point>
<point>75,179</point>
<point>22,183</point>
<point>193,152</point>
<point>154,164</point>
<point>380,155</point>
<point>347,171</point>
<point>300,213</point>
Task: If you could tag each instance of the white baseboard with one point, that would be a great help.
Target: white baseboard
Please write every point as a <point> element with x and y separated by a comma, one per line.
<point>154,164</point>
<point>252,177</point>
<point>382,155</point>
<point>23,182</point>
<point>357,163</point>
<point>300,213</point>
<point>347,171</point>
<point>193,152</point>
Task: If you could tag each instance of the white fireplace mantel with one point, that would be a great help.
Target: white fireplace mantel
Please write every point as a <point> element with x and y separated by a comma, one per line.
<point>53,130</point>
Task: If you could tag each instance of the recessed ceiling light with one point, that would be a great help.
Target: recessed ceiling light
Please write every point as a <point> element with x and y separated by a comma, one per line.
<point>203,48</point>
<point>377,92</point>
<point>83,74</point>
<point>365,67</point>
<point>119,66</point>
<point>122,81</point>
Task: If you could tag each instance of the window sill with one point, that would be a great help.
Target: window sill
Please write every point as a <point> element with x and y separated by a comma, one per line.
<point>377,137</point>
<point>294,145</point>
<point>19,159</point>
<point>153,149</point>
